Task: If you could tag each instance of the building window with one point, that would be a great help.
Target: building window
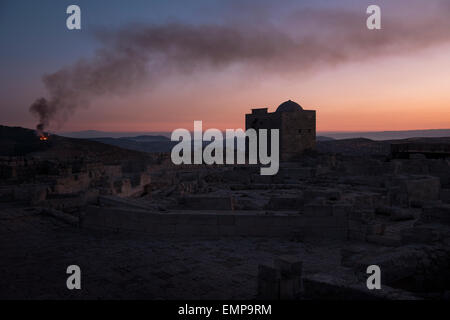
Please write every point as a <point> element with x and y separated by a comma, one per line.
<point>309,130</point>
<point>299,131</point>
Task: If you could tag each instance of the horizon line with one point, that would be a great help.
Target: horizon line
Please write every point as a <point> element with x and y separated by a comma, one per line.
<point>327,131</point>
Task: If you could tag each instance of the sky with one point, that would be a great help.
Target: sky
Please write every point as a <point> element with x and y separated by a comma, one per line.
<point>159,65</point>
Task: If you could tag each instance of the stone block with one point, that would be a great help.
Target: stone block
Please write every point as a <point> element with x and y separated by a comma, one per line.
<point>341,210</point>
<point>438,213</point>
<point>283,281</point>
<point>445,195</point>
<point>422,234</point>
<point>199,219</point>
<point>289,265</point>
<point>324,221</point>
<point>206,203</point>
<point>297,173</point>
<point>376,229</point>
<point>366,201</point>
<point>384,240</point>
<point>356,235</point>
<point>268,283</point>
<point>423,189</point>
<point>318,210</point>
<point>196,230</point>
<point>285,203</point>
<point>327,194</point>
<point>331,233</point>
<point>400,214</point>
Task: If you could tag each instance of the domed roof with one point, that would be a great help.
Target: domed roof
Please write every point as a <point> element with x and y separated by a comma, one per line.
<point>289,106</point>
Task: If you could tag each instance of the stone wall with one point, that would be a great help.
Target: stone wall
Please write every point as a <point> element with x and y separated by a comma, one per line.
<point>216,223</point>
<point>297,129</point>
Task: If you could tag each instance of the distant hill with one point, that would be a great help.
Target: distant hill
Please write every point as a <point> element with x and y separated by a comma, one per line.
<point>93,134</point>
<point>148,144</point>
<point>354,147</point>
<point>20,141</point>
<point>363,146</point>
<point>17,141</point>
<point>322,138</point>
<point>373,135</point>
<point>389,135</point>
<point>140,143</point>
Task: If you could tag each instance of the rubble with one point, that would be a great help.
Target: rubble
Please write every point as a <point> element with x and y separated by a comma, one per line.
<point>362,210</point>
<point>283,281</point>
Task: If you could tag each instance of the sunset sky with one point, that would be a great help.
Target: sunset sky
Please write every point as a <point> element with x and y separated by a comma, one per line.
<point>164,64</point>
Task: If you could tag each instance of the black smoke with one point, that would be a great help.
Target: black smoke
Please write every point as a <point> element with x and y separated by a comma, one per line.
<point>135,55</point>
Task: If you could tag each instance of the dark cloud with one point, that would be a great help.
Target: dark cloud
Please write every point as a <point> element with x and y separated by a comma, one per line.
<point>306,40</point>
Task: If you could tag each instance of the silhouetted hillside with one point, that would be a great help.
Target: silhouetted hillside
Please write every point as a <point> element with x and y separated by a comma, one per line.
<point>322,138</point>
<point>362,146</point>
<point>17,141</point>
<point>95,134</point>
<point>140,143</point>
<point>389,135</point>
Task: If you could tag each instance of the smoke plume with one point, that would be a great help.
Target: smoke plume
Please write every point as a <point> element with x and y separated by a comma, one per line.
<point>310,39</point>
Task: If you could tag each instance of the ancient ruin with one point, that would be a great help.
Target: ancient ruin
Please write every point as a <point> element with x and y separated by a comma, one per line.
<point>308,232</point>
<point>297,127</point>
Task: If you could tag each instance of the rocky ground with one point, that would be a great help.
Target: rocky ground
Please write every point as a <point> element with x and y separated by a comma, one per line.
<point>336,212</point>
<point>36,250</point>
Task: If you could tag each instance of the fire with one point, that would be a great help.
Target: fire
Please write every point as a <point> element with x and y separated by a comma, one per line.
<point>44,136</point>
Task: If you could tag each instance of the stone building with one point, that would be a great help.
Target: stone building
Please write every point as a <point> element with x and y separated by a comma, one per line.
<point>297,127</point>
